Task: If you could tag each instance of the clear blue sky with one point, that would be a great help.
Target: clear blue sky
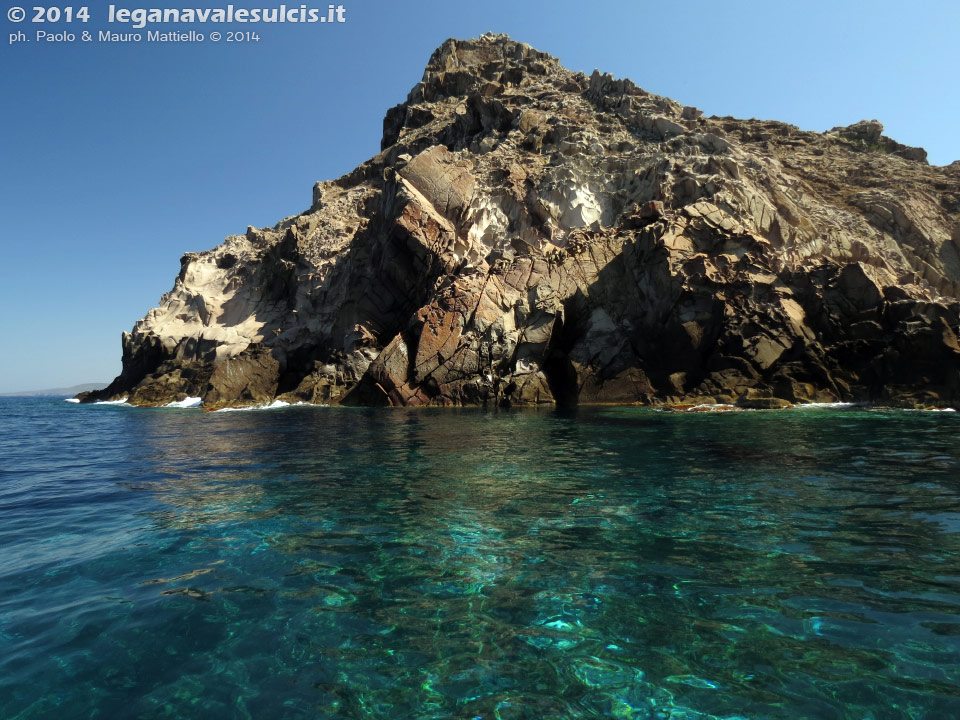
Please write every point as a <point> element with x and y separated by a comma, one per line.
<point>116,159</point>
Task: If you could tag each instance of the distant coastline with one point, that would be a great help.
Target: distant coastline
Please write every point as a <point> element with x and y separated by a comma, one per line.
<point>72,390</point>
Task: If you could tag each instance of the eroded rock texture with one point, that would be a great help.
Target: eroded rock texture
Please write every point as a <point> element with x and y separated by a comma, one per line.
<point>532,235</point>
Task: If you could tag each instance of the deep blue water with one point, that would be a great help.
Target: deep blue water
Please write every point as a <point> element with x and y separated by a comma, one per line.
<point>607,562</point>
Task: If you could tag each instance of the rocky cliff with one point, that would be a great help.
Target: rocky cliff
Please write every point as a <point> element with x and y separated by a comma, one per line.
<point>532,235</point>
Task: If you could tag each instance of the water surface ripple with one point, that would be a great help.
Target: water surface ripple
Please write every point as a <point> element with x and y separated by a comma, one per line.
<point>610,562</point>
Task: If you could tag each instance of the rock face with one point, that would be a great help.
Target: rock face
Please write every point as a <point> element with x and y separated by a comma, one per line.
<point>531,235</point>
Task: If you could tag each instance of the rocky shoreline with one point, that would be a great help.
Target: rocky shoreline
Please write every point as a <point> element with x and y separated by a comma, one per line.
<point>533,236</point>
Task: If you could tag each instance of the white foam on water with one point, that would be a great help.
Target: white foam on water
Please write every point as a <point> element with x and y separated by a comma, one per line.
<point>71,400</point>
<point>275,405</point>
<point>712,407</point>
<point>825,405</point>
<point>188,402</point>
<point>111,402</point>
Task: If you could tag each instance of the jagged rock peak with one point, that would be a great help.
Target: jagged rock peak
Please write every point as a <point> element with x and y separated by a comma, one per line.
<point>489,66</point>
<point>868,135</point>
<point>491,49</point>
<point>868,131</point>
<point>486,63</point>
<point>532,235</point>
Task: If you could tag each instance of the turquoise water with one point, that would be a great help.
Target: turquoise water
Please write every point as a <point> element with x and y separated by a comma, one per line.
<point>343,563</point>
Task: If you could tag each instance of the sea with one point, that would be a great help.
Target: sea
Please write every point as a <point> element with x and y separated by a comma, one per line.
<point>608,562</point>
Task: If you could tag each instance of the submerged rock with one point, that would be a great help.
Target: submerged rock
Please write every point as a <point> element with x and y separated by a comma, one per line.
<point>530,235</point>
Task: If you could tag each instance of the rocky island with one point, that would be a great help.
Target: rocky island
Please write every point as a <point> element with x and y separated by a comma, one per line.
<point>532,235</point>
